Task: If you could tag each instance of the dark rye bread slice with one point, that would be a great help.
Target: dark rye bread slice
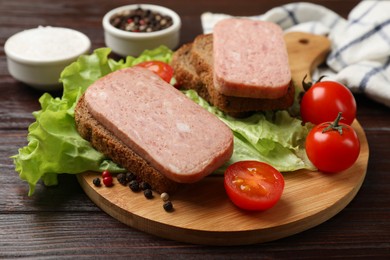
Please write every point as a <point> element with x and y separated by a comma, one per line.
<point>185,72</point>
<point>188,78</point>
<point>197,59</point>
<point>105,142</point>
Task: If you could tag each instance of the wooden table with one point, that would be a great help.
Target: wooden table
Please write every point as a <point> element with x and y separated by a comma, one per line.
<point>62,221</point>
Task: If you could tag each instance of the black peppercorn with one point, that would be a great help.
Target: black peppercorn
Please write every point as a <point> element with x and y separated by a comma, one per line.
<point>148,193</point>
<point>96,182</point>
<point>141,20</point>
<point>121,177</point>
<point>134,185</point>
<point>168,206</point>
<point>144,185</point>
<point>130,176</point>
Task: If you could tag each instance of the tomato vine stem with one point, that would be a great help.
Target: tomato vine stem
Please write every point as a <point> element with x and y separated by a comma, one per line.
<point>335,125</point>
<point>307,85</point>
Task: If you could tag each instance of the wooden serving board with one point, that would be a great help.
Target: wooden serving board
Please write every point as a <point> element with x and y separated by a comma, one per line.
<point>203,214</point>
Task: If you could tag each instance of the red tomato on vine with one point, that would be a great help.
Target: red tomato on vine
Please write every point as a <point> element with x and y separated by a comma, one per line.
<point>324,100</point>
<point>332,147</point>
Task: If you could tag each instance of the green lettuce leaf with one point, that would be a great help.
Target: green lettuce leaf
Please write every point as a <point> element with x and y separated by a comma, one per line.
<point>273,137</point>
<point>55,147</point>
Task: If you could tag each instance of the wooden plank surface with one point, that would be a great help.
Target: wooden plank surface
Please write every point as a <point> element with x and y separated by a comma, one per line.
<point>62,222</point>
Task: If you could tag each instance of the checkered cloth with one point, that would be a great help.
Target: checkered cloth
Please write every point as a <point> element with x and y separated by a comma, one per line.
<point>360,54</point>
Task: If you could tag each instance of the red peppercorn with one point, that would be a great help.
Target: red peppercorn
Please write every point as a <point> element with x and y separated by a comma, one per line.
<point>106,173</point>
<point>107,181</point>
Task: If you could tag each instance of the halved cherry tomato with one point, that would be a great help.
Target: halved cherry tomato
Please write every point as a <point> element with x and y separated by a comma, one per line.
<point>324,100</point>
<point>332,147</point>
<point>253,185</point>
<point>164,70</point>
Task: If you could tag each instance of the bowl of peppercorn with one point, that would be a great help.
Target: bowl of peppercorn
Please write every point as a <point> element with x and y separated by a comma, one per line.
<point>131,29</point>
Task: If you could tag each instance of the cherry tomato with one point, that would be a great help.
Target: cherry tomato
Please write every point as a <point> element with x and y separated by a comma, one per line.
<point>324,100</point>
<point>253,185</point>
<point>164,70</point>
<point>332,147</point>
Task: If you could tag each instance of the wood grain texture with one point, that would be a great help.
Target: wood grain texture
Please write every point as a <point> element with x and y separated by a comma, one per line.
<point>62,222</point>
<point>305,52</point>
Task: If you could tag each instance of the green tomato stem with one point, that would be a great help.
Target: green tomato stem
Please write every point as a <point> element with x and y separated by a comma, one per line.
<point>307,85</point>
<point>335,125</point>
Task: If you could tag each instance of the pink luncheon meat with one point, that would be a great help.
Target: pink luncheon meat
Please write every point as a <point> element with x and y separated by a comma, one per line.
<point>175,135</point>
<point>250,59</point>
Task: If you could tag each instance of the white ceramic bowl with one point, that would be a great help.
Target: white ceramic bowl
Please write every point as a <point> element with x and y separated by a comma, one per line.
<point>38,56</point>
<point>127,43</point>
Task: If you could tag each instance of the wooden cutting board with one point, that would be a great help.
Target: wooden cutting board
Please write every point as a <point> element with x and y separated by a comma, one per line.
<point>204,214</point>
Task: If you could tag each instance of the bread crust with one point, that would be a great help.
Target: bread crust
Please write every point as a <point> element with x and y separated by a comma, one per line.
<point>197,59</point>
<point>105,142</point>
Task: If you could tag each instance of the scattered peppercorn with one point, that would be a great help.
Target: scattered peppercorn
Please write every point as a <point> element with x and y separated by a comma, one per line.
<point>121,177</point>
<point>107,181</point>
<point>168,206</point>
<point>130,176</point>
<point>106,173</point>
<point>141,20</point>
<point>148,193</point>
<point>144,186</point>
<point>96,182</point>
<point>134,185</point>
<point>164,196</point>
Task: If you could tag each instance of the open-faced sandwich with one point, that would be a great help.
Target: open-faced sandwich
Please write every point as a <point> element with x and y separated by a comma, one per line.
<point>241,68</point>
<point>150,128</point>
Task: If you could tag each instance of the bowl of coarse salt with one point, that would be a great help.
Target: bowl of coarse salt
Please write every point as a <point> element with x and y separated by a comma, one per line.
<point>131,29</point>
<point>38,56</point>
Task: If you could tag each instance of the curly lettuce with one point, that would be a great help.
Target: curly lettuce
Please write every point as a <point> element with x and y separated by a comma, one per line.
<point>272,137</point>
<point>54,145</point>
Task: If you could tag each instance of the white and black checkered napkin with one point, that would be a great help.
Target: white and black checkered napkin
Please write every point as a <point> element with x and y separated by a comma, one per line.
<point>360,55</point>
